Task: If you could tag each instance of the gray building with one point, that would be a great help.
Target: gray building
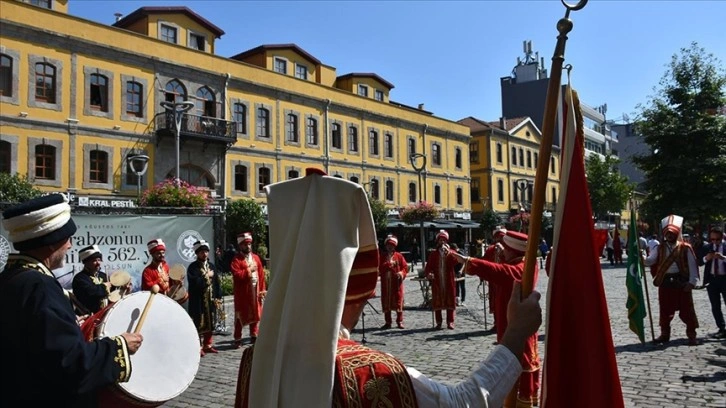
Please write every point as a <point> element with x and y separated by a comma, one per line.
<point>524,93</point>
<point>630,144</point>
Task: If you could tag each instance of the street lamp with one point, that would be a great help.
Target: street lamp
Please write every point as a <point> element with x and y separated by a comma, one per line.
<point>178,109</point>
<point>138,164</point>
<point>420,168</point>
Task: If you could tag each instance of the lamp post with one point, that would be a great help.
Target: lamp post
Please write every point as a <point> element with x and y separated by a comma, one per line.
<point>420,168</point>
<point>178,109</point>
<point>522,185</point>
<point>138,164</point>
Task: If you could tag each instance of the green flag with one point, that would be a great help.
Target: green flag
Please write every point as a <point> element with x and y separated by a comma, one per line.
<point>634,282</point>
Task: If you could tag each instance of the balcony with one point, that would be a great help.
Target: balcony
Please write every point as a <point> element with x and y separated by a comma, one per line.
<point>194,127</point>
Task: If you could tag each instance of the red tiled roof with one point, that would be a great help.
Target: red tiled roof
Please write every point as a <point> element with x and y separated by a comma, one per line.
<point>474,124</point>
<point>142,12</point>
<point>368,75</point>
<point>266,47</point>
<point>509,123</point>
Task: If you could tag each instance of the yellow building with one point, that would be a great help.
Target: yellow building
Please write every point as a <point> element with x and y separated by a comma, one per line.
<point>79,99</point>
<point>504,156</point>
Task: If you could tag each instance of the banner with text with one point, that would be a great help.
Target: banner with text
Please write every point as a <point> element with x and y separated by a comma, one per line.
<point>122,240</point>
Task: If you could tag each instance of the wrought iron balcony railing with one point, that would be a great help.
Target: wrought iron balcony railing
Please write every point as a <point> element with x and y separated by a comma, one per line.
<point>202,128</point>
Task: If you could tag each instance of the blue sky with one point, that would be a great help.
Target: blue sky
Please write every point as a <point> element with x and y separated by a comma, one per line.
<point>450,55</point>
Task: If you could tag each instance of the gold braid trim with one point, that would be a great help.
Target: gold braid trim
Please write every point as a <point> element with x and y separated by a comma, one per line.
<point>123,359</point>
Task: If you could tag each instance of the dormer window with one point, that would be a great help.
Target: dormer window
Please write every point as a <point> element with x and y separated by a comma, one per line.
<point>281,66</point>
<point>196,41</point>
<point>41,3</point>
<point>168,33</point>
<point>379,95</point>
<point>363,90</point>
<point>301,71</point>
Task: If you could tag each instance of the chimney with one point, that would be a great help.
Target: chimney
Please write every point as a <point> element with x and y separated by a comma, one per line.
<point>420,106</point>
<point>118,16</point>
<point>502,122</point>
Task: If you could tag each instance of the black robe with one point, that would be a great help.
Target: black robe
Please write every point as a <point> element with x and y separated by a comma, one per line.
<point>201,296</point>
<point>87,292</point>
<point>45,361</point>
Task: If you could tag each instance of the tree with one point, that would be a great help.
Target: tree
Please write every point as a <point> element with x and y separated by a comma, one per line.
<point>380,216</point>
<point>687,138</point>
<point>245,215</point>
<point>489,220</point>
<point>609,190</point>
<point>16,188</point>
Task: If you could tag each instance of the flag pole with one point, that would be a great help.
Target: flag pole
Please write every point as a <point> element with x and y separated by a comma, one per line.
<point>645,284</point>
<point>564,26</point>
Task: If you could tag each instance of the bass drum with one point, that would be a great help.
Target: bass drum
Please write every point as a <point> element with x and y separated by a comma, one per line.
<point>168,359</point>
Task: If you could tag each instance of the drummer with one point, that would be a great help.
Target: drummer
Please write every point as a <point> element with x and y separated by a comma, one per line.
<point>91,286</point>
<point>157,272</point>
<point>45,359</point>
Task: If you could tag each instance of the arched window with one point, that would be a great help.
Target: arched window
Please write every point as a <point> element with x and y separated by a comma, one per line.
<point>335,136</point>
<point>98,92</point>
<point>388,145</point>
<point>239,114</point>
<point>499,152</point>
<point>292,128</point>
<point>374,189</point>
<point>514,156</point>
<point>45,82</point>
<point>5,156</point>
<point>352,139</point>
<point>98,169</point>
<point>459,196</point>
<point>45,162</point>
<point>500,190</point>
<point>389,190</point>
<point>373,143</point>
<point>175,92</point>
<point>204,104</point>
<point>311,131</point>
<point>411,148</point>
<point>263,122</point>
<point>6,75</point>
<point>264,179</point>
<point>134,99</point>
<point>412,193</point>
<point>240,178</point>
<point>436,154</point>
<point>437,194</point>
<point>457,158</point>
<point>194,175</point>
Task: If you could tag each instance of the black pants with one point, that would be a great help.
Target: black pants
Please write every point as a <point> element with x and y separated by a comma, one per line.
<point>716,291</point>
<point>461,290</point>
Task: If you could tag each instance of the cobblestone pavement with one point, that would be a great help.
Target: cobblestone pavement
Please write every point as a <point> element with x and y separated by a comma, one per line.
<point>651,376</point>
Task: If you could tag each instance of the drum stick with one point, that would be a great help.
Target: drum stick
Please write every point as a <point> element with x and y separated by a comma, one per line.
<point>154,291</point>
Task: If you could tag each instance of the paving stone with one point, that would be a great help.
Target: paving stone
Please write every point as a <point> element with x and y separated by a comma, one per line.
<point>675,375</point>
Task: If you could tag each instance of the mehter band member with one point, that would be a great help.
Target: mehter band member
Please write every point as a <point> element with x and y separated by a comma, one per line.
<point>46,362</point>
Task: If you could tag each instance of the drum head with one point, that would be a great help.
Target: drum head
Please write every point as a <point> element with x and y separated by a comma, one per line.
<point>168,359</point>
<point>177,272</point>
<point>120,279</point>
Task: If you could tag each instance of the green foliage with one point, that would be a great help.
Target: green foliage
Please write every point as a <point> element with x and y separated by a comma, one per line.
<point>175,193</point>
<point>16,188</point>
<point>421,211</point>
<point>687,140</point>
<point>380,216</point>
<point>225,282</point>
<point>609,190</point>
<point>489,220</point>
<point>246,215</point>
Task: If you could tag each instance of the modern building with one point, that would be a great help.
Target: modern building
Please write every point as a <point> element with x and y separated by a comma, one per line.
<point>524,93</point>
<point>631,144</point>
<point>504,156</point>
<point>81,101</point>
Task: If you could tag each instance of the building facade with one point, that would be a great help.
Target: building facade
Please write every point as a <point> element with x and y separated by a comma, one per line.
<point>504,157</point>
<point>81,99</point>
<point>524,93</point>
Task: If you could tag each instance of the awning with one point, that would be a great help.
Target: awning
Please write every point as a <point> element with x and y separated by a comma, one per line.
<point>466,224</point>
<point>426,224</point>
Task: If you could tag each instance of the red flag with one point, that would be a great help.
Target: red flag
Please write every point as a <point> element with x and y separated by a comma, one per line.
<point>579,366</point>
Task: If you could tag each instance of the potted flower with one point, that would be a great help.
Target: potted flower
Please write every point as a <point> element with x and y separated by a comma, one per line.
<point>421,211</point>
<point>175,193</point>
